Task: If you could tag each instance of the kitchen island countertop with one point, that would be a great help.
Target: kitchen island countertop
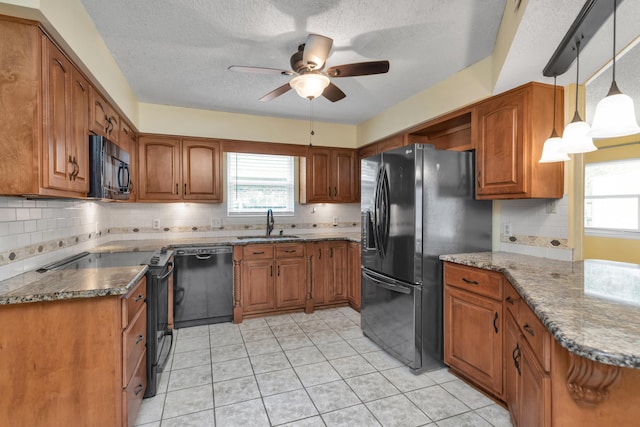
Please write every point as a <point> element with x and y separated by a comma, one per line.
<point>591,307</point>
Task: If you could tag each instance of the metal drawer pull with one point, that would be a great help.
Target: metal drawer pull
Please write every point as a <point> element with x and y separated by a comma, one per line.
<point>471,282</point>
<point>138,389</point>
<point>139,297</point>
<point>258,253</point>
<point>516,358</point>
<point>289,251</point>
<point>529,330</point>
<point>510,300</point>
<point>140,338</point>
<point>495,319</point>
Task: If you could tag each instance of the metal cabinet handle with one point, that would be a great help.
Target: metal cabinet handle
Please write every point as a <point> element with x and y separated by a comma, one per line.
<point>278,270</point>
<point>495,320</point>
<point>510,300</point>
<point>478,179</point>
<point>320,253</point>
<point>185,189</point>
<point>271,270</point>
<point>138,389</point>
<point>139,297</point>
<point>177,193</point>
<point>529,330</point>
<point>258,253</point>
<point>471,282</point>
<point>515,354</point>
<point>289,251</point>
<point>139,339</point>
<point>74,168</point>
<point>330,252</point>
<point>335,191</point>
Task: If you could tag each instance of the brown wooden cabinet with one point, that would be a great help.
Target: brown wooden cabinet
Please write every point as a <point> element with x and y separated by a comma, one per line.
<point>79,361</point>
<point>354,286</point>
<point>104,120</point>
<point>473,325</point>
<point>510,131</point>
<point>329,175</point>
<point>171,168</point>
<point>330,272</point>
<point>273,277</point>
<point>128,141</point>
<point>66,101</point>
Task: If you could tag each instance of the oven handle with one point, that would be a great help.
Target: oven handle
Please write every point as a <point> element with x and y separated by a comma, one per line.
<point>164,276</point>
<point>386,285</point>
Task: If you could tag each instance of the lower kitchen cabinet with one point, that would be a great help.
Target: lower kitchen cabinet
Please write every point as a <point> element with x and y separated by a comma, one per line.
<point>329,272</point>
<point>78,362</point>
<point>354,286</point>
<point>473,326</point>
<point>273,277</point>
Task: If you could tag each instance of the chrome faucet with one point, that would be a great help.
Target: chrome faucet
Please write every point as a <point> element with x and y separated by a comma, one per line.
<point>270,222</point>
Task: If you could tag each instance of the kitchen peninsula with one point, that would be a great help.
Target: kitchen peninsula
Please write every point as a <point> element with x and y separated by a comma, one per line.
<point>581,366</point>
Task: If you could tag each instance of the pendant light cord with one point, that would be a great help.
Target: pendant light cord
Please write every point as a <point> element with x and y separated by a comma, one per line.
<point>576,116</point>
<point>553,132</point>
<point>613,67</point>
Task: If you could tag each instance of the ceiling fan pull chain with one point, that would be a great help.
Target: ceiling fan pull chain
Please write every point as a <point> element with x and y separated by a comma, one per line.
<point>311,132</point>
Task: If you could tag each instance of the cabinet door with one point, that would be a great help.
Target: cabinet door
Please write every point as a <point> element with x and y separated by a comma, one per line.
<point>337,271</point>
<point>500,145</point>
<point>290,282</point>
<point>319,253</point>
<point>354,275</point>
<point>79,145</point>
<point>318,175</point>
<point>99,113</point>
<point>534,391</point>
<point>159,168</point>
<point>473,337</point>
<point>512,367</point>
<point>57,159</point>
<point>128,142</point>
<point>343,169</point>
<point>257,285</point>
<point>201,170</point>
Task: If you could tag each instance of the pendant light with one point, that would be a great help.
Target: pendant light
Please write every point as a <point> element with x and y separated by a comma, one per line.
<point>550,151</point>
<point>615,114</point>
<point>576,138</point>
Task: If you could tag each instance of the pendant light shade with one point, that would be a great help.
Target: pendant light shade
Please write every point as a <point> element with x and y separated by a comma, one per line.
<point>550,151</point>
<point>615,114</point>
<point>576,137</point>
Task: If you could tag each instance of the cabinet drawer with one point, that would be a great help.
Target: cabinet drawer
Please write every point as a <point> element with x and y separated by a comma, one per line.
<point>476,280</point>
<point>133,392</point>
<point>512,301</point>
<point>257,252</point>
<point>134,300</point>
<point>134,340</point>
<point>536,335</point>
<point>289,250</point>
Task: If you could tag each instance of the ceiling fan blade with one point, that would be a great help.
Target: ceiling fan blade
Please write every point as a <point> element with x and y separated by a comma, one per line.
<point>276,92</point>
<point>259,70</point>
<point>316,51</point>
<point>333,93</point>
<point>359,69</point>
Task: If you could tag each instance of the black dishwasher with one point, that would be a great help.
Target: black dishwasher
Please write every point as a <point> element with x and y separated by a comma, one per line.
<point>203,289</point>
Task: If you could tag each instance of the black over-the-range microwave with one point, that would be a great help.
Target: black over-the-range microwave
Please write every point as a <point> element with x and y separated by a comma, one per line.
<point>109,174</point>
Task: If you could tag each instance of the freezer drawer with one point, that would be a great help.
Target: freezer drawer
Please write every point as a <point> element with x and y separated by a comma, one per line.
<point>391,316</point>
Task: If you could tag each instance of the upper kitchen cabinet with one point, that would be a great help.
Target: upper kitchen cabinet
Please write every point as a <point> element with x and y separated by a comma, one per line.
<point>451,131</point>
<point>104,120</point>
<point>509,132</point>
<point>171,168</point>
<point>44,107</point>
<point>386,144</point>
<point>329,175</point>
<point>66,105</point>
<point>128,141</point>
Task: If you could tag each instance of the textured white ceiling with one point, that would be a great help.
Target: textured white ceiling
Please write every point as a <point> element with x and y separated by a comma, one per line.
<point>177,52</point>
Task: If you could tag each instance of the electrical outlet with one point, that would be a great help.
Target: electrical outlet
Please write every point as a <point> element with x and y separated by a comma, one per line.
<point>506,229</point>
<point>552,206</point>
<point>155,224</point>
<point>216,223</point>
<point>335,220</point>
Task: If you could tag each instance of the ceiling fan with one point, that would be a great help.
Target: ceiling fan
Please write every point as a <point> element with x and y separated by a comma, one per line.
<point>307,65</point>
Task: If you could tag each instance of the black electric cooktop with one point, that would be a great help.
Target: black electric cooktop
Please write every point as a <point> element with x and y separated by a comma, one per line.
<point>100,260</point>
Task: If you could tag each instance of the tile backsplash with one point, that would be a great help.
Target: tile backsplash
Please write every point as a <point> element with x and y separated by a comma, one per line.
<point>37,232</point>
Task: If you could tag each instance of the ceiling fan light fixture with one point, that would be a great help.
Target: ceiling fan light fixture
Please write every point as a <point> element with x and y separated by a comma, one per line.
<point>310,85</point>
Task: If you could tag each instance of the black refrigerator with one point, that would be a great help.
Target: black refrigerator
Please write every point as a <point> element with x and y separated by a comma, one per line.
<point>417,203</point>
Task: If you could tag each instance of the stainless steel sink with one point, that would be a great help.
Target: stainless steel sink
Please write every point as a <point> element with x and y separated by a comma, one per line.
<point>263,237</point>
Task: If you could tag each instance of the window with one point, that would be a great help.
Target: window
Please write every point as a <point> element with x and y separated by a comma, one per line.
<point>612,196</point>
<point>257,182</point>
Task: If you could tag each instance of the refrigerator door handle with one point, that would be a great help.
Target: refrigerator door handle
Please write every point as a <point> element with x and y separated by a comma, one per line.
<point>376,214</point>
<point>387,285</point>
<point>386,217</point>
